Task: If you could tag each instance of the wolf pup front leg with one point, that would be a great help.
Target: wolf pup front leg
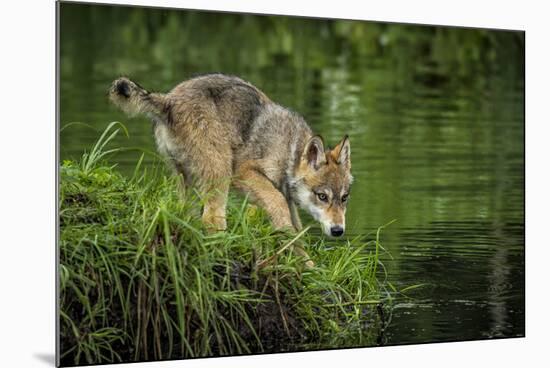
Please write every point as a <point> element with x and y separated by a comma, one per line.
<point>262,191</point>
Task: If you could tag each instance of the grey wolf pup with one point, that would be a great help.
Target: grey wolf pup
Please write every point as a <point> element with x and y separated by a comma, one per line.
<point>219,130</point>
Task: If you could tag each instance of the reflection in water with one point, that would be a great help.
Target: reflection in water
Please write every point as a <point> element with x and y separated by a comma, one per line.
<point>435,117</point>
<point>474,281</point>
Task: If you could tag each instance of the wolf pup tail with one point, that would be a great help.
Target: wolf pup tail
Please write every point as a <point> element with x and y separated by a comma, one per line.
<point>134,100</point>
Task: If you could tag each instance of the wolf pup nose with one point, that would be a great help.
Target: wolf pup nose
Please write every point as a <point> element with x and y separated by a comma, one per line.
<point>336,231</point>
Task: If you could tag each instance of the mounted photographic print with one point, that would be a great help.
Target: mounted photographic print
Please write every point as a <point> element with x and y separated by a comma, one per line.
<point>235,184</point>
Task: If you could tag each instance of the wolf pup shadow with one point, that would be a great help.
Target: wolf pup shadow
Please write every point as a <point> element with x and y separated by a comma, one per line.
<point>218,130</point>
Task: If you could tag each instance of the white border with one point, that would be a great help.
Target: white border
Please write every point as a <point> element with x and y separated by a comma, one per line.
<point>27,180</point>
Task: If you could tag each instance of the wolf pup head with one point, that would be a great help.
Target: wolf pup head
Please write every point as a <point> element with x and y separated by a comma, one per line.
<point>323,183</point>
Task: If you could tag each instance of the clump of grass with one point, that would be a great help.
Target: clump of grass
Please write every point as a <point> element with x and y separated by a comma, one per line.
<point>140,279</point>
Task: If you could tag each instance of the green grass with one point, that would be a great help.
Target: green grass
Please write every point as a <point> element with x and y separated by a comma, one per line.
<point>140,279</point>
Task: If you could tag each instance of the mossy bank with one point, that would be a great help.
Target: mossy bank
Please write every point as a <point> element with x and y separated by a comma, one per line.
<point>140,279</point>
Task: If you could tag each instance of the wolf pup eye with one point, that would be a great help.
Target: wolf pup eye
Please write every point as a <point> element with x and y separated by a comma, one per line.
<point>344,197</point>
<point>322,197</point>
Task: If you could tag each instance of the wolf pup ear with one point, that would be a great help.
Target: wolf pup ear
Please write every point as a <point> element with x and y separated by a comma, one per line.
<point>342,152</point>
<point>314,152</point>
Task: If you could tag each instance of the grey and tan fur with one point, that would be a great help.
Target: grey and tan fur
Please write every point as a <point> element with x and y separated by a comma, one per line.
<point>219,130</point>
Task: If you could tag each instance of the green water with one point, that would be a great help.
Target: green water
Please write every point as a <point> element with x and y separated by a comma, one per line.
<point>435,117</point>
